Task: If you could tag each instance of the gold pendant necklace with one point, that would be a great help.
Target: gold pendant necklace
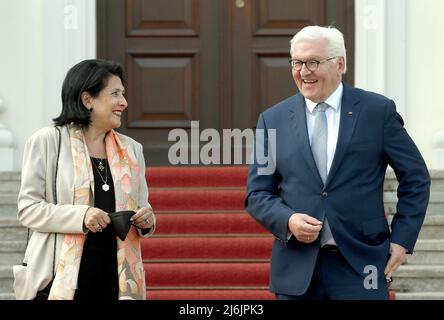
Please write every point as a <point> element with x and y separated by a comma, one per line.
<point>101,167</point>
<point>105,186</point>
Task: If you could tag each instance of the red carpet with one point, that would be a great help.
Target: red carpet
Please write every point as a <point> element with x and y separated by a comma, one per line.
<point>216,223</point>
<point>197,199</point>
<point>206,246</point>
<point>202,248</point>
<point>207,274</point>
<point>159,177</point>
<point>211,294</point>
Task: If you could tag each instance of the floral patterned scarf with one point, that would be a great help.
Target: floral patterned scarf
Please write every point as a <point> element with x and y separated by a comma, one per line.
<point>125,172</point>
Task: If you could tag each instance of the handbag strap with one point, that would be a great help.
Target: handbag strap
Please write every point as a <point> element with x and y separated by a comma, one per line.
<point>55,199</point>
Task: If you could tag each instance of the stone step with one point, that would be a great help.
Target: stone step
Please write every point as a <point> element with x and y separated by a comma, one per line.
<point>8,198</point>
<point>9,182</point>
<point>6,279</point>
<point>437,176</point>
<point>8,205</point>
<point>437,180</point>
<point>8,210</point>
<point>419,295</point>
<point>12,252</point>
<point>419,278</point>
<point>432,228</point>
<point>435,207</point>
<point>7,296</point>
<point>12,230</point>
<point>427,252</point>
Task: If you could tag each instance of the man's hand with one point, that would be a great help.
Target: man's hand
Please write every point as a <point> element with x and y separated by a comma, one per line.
<point>304,227</point>
<point>397,258</point>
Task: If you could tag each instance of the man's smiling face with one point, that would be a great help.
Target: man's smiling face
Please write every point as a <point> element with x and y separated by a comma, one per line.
<point>317,85</point>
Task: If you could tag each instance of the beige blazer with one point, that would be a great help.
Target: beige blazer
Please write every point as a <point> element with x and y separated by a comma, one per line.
<point>37,211</point>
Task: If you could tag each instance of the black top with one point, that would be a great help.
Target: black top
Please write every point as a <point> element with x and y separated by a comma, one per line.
<point>98,278</point>
<point>104,241</point>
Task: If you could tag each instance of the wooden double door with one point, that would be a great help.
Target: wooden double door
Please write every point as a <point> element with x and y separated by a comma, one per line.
<point>219,62</point>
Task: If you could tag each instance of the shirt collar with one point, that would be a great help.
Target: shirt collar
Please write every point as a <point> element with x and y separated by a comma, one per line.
<point>334,100</point>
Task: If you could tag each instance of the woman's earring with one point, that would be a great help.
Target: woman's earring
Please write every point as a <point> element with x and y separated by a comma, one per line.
<point>90,109</point>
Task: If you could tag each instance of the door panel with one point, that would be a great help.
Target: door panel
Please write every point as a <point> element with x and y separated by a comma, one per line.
<point>150,76</point>
<point>153,18</point>
<point>284,17</point>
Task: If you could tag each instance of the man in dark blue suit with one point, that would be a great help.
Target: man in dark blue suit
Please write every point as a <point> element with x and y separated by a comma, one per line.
<point>324,200</point>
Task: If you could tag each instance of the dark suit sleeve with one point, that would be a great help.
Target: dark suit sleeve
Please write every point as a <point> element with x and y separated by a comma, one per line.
<point>263,201</point>
<point>413,177</point>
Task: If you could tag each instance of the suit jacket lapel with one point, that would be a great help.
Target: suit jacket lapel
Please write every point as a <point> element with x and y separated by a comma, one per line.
<point>350,109</point>
<point>298,123</point>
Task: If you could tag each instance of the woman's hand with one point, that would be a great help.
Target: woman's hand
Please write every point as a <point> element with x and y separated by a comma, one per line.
<point>143,218</point>
<point>96,220</point>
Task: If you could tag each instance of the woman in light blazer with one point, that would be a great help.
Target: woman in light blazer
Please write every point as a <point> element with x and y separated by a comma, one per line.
<point>73,176</point>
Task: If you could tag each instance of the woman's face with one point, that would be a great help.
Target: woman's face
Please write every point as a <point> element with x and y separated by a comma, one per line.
<point>109,105</point>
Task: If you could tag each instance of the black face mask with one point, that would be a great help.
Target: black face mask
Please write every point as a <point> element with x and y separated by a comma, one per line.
<point>121,222</point>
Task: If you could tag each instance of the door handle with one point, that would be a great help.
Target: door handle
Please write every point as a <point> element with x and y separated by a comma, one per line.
<point>240,3</point>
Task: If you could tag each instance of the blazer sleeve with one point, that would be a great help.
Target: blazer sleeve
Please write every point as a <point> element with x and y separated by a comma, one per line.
<point>263,201</point>
<point>143,190</point>
<point>36,208</point>
<point>413,177</point>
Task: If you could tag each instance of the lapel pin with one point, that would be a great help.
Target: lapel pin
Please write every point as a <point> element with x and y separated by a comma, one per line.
<point>350,113</point>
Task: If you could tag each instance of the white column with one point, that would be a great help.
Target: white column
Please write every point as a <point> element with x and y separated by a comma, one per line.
<point>370,45</point>
<point>396,55</point>
<point>42,40</point>
<point>380,52</point>
<point>69,37</point>
<point>21,70</point>
<point>425,45</point>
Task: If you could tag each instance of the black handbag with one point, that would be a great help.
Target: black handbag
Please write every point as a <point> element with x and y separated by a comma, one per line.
<point>44,294</point>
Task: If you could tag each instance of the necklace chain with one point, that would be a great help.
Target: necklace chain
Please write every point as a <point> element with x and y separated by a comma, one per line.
<point>105,185</point>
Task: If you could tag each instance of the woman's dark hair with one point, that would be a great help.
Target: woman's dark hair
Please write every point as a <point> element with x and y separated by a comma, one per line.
<point>90,76</point>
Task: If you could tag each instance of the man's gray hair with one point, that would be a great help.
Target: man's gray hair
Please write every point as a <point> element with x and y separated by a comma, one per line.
<point>335,38</point>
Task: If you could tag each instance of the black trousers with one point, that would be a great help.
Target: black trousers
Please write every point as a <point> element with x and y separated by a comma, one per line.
<point>98,279</point>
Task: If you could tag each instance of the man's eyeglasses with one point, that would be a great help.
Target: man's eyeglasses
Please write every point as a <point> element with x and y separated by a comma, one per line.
<point>311,65</point>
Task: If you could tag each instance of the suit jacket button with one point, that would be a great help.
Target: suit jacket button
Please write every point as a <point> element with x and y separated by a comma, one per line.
<point>324,194</point>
